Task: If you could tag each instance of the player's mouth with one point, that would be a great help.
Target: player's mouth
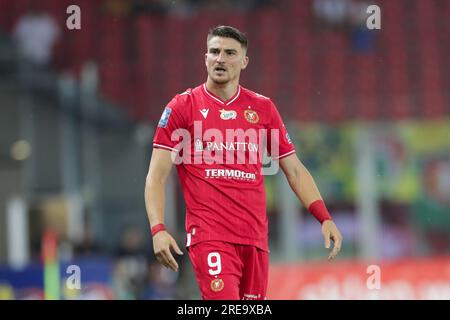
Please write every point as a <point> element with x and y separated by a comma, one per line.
<point>219,70</point>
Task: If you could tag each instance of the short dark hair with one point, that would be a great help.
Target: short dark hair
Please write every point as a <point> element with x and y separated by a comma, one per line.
<point>229,32</point>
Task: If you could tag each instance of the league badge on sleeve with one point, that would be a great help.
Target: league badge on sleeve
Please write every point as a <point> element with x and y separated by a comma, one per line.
<point>288,138</point>
<point>164,118</point>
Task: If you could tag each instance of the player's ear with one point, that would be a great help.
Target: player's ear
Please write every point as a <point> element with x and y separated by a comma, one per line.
<point>206,58</point>
<point>244,62</point>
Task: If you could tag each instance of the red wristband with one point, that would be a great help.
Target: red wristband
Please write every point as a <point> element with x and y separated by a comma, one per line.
<point>157,228</point>
<point>319,211</point>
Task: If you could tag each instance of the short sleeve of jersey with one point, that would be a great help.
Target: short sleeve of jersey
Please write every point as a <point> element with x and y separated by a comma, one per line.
<point>171,119</point>
<point>279,144</point>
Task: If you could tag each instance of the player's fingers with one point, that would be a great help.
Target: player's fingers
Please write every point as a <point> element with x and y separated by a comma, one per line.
<point>331,257</point>
<point>171,260</point>
<point>161,258</point>
<point>176,248</point>
<point>337,239</point>
<point>336,247</point>
<point>332,254</point>
<point>337,243</point>
<point>326,235</point>
<point>164,259</point>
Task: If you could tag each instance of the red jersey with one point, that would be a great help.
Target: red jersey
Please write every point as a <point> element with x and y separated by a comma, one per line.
<point>219,147</point>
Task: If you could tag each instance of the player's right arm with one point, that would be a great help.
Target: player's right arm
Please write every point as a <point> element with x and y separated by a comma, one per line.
<point>155,186</point>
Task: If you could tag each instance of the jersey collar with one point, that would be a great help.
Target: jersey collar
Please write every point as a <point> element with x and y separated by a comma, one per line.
<point>218,99</point>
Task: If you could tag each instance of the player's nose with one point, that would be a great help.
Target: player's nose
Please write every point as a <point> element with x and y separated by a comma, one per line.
<point>221,57</point>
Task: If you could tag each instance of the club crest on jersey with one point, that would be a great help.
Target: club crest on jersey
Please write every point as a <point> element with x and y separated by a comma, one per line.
<point>217,285</point>
<point>251,116</point>
<point>164,118</point>
<point>227,114</point>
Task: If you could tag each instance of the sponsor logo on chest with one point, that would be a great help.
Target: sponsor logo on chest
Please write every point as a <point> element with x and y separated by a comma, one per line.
<point>227,114</point>
<point>230,174</point>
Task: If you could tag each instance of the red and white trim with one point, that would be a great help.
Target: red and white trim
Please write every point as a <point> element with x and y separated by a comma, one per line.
<point>161,146</point>
<point>188,240</point>
<point>226,103</point>
<point>284,155</point>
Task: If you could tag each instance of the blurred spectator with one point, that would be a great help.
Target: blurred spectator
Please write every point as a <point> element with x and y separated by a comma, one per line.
<point>88,245</point>
<point>363,39</point>
<point>161,283</point>
<point>132,262</point>
<point>131,243</point>
<point>117,8</point>
<point>397,241</point>
<point>36,34</point>
<point>180,8</point>
<point>331,13</point>
<point>431,211</point>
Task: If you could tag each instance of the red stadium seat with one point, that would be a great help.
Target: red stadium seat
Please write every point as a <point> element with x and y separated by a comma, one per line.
<point>314,75</point>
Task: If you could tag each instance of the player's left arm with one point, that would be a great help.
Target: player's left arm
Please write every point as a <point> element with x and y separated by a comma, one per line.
<point>303,185</point>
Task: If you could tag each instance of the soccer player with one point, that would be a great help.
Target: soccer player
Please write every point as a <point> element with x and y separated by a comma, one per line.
<point>216,134</point>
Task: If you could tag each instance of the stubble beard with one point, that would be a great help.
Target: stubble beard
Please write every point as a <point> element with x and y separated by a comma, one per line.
<point>220,80</point>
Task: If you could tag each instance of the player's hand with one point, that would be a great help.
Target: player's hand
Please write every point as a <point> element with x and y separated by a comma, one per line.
<point>331,232</point>
<point>163,242</point>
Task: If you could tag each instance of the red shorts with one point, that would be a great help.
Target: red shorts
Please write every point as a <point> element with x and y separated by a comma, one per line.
<point>228,271</point>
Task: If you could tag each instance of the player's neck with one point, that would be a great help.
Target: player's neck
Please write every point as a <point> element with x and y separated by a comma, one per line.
<point>224,91</point>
